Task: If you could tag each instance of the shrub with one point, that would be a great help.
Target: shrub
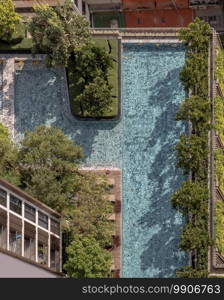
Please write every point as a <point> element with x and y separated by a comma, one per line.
<point>86,259</point>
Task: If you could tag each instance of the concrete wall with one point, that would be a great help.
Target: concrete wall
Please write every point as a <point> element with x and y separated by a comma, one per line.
<point>12,267</point>
<point>208,15</point>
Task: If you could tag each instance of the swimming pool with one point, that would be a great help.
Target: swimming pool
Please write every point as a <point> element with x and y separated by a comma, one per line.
<point>141,143</point>
<point>152,94</point>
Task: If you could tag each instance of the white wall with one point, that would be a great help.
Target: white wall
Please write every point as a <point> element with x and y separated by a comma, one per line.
<point>12,267</point>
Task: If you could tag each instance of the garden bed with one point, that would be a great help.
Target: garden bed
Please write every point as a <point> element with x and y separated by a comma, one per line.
<point>113,112</point>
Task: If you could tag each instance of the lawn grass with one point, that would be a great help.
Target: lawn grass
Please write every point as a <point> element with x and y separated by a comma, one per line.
<point>103,20</point>
<point>113,80</point>
<point>19,41</point>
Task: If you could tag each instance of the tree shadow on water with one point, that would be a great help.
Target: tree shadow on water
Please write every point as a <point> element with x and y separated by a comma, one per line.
<point>39,100</point>
<point>161,251</point>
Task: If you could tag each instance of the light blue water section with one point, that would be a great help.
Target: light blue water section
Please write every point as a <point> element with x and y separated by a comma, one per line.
<point>141,143</point>
<point>152,94</point>
<point>40,98</point>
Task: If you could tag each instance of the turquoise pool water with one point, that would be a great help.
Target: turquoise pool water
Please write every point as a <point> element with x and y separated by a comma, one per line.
<point>141,143</point>
<point>40,99</point>
<point>152,94</point>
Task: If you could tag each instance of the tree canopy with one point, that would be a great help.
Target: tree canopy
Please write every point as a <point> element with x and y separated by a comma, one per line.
<point>58,32</point>
<point>86,259</point>
<point>9,19</point>
<point>8,157</point>
<point>46,165</point>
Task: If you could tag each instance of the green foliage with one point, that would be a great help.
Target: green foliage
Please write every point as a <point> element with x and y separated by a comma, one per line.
<point>190,198</point>
<point>86,259</point>
<point>196,110</point>
<point>192,155</point>
<point>9,19</point>
<point>96,97</point>
<point>219,117</point>
<point>192,151</point>
<point>48,166</point>
<point>219,225</point>
<point>219,168</point>
<point>89,70</point>
<point>58,32</point>
<point>196,36</point>
<point>220,69</point>
<point>8,158</point>
<point>189,272</point>
<point>194,74</point>
<point>194,236</point>
<point>90,210</point>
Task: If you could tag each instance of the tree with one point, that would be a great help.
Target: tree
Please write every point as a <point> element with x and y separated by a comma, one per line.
<point>190,198</point>
<point>196,110</point>
<point>8,158</point>
<point>88,62</point>
<point>89,69</point>
<point>8,19</point>
<point>194,237</point>
<point>90,210</point>
<point>48,166</point>
<point>86,259</point>
<point>96,97</point>
<point>58,32</point>
<point>192,151</point>
<point>192,155</point>
<point>196,36</point>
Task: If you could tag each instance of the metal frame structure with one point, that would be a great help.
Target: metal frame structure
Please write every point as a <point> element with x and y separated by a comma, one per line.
<point>36,225</point>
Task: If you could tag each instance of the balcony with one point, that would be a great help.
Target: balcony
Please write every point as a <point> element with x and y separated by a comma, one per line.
<point>196,3</point>
<point>29,229</point>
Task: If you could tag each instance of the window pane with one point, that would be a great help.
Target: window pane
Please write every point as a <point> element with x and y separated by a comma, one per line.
<point>15,204</point>
<point>55,253</point>
<point>30,212</point>
<point>29,241</point>
<point>55,227</point>
<point>42,220</point>
<point>42,247</point>
<point>3,229</point>
<point>3,197</point>
<point>15,234</point>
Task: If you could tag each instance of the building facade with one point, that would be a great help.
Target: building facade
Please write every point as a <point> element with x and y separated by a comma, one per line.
<point>30,235</point>
<point>211,11</point>
<point>25,7</point>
